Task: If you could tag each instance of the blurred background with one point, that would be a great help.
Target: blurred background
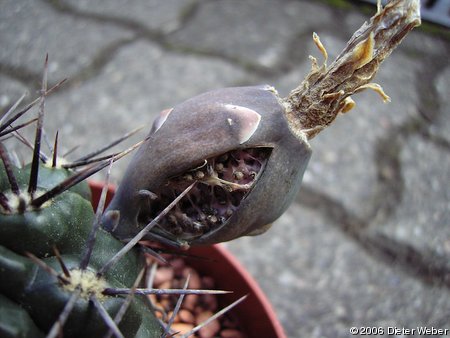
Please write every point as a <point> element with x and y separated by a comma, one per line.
<point>367,241</point>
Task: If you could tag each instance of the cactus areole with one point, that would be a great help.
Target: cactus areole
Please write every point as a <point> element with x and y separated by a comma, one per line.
<point>245,149</point>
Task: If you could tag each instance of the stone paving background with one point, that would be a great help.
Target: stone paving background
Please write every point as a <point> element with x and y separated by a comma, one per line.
<point>367,241</point>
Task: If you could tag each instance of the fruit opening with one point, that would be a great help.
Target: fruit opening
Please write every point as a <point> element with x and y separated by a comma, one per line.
<point>222,183</point>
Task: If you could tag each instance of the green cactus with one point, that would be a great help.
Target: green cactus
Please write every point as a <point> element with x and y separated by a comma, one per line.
<point>63,222</point>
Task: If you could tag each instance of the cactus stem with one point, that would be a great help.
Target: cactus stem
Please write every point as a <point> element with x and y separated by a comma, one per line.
<point>143,232</point>
<point>47,268</point>
<point>55,150</point>
<point>93,234</point>
<point>56,330</point>
<point>106,317</point>
<point>109,146</point>
<point>38,136</point>
<point>9,172</point>
<point>215,316</point>
<point>123,308</point>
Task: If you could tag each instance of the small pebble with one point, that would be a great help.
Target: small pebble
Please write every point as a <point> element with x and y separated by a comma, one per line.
<point>177,265</point>
<point>209,330</point>
<point>209,302</point>
<point>166,304</point>
<point>182,328</point>
<point>194,280</point>
<point>176,319</point>
<point>162,275</point>
<point>195,309</point>
<point>190,301</point>
<point>207,283</point>
<point>186,316</point>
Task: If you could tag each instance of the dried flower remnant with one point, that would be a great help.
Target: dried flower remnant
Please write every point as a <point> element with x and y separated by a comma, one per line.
<point>326,91</point>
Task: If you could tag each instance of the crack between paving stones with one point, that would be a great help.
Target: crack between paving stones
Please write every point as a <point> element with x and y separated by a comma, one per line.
<point>388,149</point>
<point>161,39</point>
<point>437,140</point>
<point>424,265</point>
<point>29,79</point>
<point>99,62</point>
<point>32,80</point>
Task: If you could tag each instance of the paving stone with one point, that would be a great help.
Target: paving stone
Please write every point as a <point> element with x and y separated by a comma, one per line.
<point>422,43</point>
<point>353,20</point>
<point>31,29</point>
<point>422,216</point>
<point>139,82</point>
<point>442,123</point>
<point>163,16</point>
<point>10,91</point>
<point>256,32</point>
<point>321,282</point>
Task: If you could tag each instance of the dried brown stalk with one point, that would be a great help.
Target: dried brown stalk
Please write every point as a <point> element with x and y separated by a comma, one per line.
<point>326,90</point>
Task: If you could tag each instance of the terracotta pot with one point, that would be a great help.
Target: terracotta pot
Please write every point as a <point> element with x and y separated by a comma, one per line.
<point>255,314</point>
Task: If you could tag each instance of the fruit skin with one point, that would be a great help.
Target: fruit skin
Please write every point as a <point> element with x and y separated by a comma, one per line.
<point>65,223</point>
<point>208,125</point>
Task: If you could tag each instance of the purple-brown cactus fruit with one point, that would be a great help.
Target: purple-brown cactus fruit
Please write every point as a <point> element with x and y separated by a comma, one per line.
<point>242,151</point>
<point>235,143</point>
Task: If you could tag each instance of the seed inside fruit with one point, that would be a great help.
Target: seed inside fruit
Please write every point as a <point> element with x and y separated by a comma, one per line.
<point>223,182</point>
